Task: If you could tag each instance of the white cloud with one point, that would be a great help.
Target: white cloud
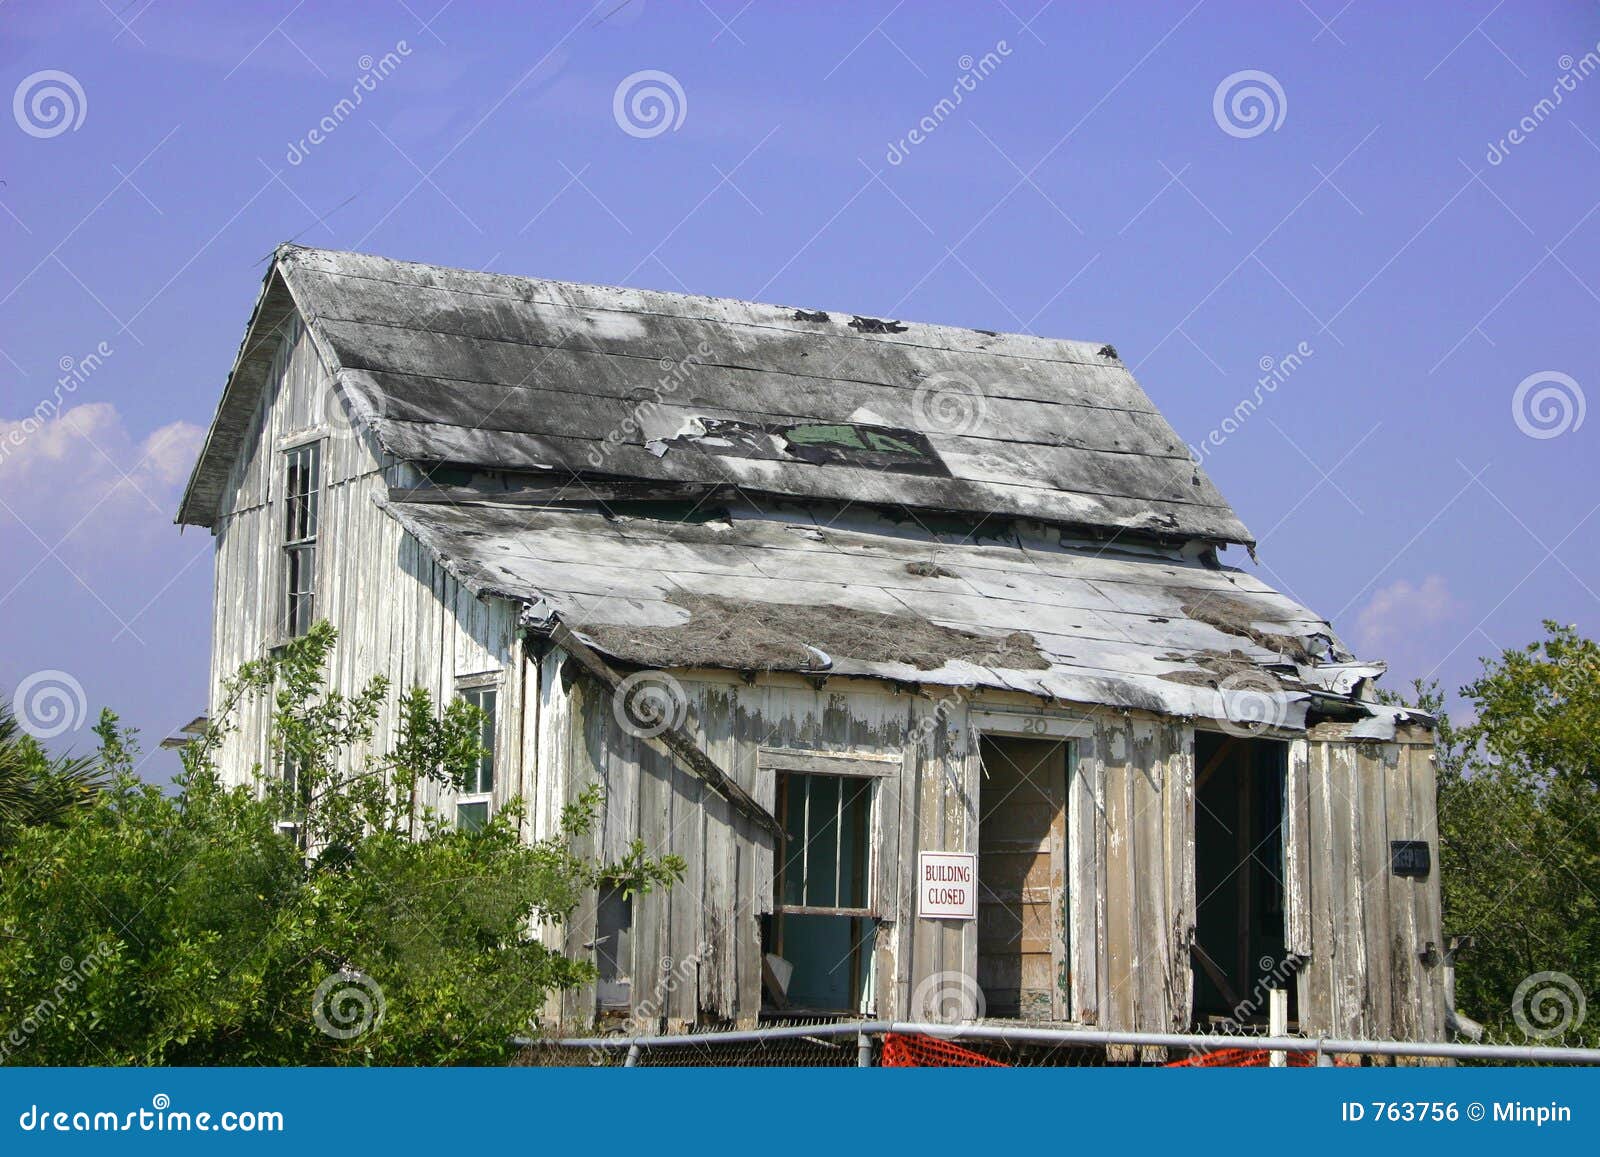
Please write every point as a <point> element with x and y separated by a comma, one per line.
<point>84,468</point>
<point>1401,615</point>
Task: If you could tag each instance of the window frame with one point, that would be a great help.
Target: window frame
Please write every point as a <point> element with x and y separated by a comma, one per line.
<point>861,782</point>
<point>299,533</point>
<point>475,795</point>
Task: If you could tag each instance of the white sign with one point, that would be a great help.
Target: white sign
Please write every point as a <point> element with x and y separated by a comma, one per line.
<point>947,885</point>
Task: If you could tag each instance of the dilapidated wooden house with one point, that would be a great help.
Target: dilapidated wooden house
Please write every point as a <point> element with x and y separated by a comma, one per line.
<point>913,641</point>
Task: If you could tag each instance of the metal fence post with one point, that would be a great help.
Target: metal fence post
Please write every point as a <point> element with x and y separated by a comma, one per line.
<point>1278,1023</point>
<point>863,1051</point>
<point>633,1057</point>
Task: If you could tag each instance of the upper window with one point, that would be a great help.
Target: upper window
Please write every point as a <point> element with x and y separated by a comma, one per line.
<point>301,494</point>
<point>473,804</point>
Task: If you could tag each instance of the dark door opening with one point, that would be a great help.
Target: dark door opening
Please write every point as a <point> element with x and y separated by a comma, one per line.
<point>1022,827</point>
<point>1239,953</point>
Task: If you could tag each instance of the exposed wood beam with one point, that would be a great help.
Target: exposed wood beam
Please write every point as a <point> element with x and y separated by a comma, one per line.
<point>672,741</point>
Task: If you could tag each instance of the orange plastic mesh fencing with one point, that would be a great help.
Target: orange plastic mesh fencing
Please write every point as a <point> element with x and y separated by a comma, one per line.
<point>1242,1059</point>
<point>910,1052</point>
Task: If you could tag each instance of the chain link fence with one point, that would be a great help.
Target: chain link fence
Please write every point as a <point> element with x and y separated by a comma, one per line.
<point>860,1044</point>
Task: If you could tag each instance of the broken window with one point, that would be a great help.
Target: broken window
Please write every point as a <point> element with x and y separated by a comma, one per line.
<point>821,933</point>
<point>301,493</point>
<point>476,796</point>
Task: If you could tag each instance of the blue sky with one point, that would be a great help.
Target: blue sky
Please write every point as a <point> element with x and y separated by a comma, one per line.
<point>1422,475</point>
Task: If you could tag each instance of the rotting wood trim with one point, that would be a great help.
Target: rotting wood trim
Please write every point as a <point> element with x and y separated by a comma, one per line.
<point>827,762</point>
<point>672,740</point>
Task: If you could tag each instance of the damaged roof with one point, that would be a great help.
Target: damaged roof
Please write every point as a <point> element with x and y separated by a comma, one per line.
<point>1021,608</point>
<point>521,374</point>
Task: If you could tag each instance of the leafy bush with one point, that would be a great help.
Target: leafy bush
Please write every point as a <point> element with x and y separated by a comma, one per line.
<point>199,928</point>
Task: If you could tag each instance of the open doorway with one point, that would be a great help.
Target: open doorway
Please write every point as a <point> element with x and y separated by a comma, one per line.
<point>1239,952</point>
<point>1022,836</point>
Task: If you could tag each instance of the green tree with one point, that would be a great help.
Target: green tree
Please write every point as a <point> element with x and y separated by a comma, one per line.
<point>1519,834</point>
<point>36,787</point>
<point>191,929</point>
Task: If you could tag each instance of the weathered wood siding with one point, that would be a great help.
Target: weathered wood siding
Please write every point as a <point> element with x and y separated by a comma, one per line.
<point>1131,812</point>
<point>1129,906</point>
<point>398,612</point>
<point>1364,930</point>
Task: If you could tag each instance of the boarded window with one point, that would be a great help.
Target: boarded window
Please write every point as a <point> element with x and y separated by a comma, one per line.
<point>301,494</point>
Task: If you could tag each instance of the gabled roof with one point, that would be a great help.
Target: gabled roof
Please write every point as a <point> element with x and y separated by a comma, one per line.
<point>520,374</point>
<point>787,589</point>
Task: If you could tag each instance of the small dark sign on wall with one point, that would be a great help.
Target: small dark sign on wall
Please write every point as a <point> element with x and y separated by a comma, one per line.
<point>1410,858</point>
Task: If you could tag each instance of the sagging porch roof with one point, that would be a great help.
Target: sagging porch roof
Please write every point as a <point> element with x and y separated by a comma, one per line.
<point>811,591</point>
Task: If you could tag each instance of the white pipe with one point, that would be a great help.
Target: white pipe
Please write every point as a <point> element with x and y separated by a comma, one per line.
<point>1021,1034</point>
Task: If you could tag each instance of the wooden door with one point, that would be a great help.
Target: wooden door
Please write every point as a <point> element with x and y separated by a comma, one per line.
<point>1021,878</point>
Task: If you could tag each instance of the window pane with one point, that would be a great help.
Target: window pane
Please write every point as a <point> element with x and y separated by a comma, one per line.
<point>792,805</point>
<point>827,819</point>
<point>853,843</point>
<point>302,476</point>
<point>481,778</point>
<point>822,843</point>
<point>472,816</point>
<point>313,479</point>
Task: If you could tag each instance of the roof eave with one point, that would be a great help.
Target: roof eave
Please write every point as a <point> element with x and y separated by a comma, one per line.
<point>274,305</point>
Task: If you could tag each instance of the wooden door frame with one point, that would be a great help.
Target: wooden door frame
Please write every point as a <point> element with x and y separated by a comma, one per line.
<point>1068,730</point>
<point>1286,831</point>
